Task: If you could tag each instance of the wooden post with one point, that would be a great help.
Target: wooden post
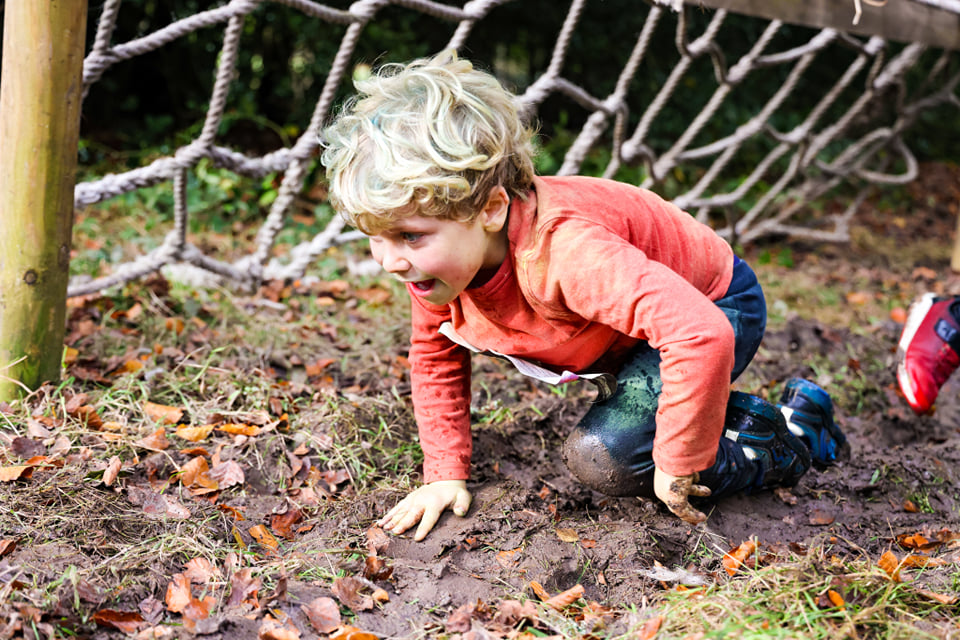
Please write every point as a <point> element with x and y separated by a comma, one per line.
<point>41,90</point>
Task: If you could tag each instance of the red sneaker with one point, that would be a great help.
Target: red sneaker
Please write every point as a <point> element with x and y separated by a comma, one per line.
<point>927,353</point>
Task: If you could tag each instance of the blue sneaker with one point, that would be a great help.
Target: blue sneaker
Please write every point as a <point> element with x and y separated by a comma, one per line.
<point>808,412</point>
<point>761,431</point>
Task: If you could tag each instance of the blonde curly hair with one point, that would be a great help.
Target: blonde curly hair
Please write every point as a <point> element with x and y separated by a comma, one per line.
<point>432,137</point>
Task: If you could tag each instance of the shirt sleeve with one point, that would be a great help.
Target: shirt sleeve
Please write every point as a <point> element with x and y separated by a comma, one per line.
<point>602,277</point>
<point>440,382</point>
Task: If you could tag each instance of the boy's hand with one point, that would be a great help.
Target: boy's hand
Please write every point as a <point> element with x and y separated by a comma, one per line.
<point>425,506</point>
<point>675,493</point>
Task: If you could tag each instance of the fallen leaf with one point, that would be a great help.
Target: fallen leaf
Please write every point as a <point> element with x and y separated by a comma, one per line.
<point>858,298</point>
<point>237,429</point>
<point>174,324</point>
<point>352,633</point>
<point>243,589</point>
<point>178,593</point>
<point>508,557</point>
<point>156,441</point>
<point>200,571</point>
<point>129,622</point>
<point>733,560</point>
<point>227,474</point>
<point>283,523</point>
<point>112,470</point>
<point>193,434</point>
<point>836,599</point>
<point>162,413</point>
<point>564,599</point>
<point>18,472</point>
<point>649,628</point>
<point>174,508</point>
<point>323,614</point>
<point>264,537</point>
<point>939,597</point>
<point>538,590</point>
<point>821,518</point>
<point>347,591</point>
<point>7,546</point>
<point>898,315</point>
<point>567,535</point>
<point>273,629</point>
<point>889,563</point>
<point>377,540</point>
<point>376,568</point>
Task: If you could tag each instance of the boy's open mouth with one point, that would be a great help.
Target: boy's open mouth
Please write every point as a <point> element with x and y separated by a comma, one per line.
<point>423,285</point>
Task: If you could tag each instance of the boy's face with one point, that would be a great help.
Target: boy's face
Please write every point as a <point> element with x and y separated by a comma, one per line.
<point>439,258</point>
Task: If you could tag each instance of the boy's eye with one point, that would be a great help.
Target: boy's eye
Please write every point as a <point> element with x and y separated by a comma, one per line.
<point>409,236</point>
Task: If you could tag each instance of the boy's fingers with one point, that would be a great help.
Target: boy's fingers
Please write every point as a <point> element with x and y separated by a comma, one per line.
<point>427,520</point>
<point>699,490</point>
<point>687,513</point>
<point>462,504</point>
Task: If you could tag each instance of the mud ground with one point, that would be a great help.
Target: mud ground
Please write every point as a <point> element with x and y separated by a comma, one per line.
<point>531,521</point>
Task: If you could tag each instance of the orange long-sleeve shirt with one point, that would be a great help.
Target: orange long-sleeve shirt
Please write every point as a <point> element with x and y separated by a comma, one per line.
<point>593,267</point>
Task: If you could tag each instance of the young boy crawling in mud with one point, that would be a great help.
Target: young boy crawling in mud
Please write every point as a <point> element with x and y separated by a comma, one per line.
<point>579,275</point>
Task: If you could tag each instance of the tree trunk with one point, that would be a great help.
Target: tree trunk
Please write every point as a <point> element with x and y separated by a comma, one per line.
<point>40,96</point>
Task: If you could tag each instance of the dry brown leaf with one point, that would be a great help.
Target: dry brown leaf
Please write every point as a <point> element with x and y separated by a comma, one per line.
<point>836,599</point>
<point>227,474</point>
<point>567,535</point>
<point>650,628</point>
<point>175,508</point>
<point>914,560</point>
<point>237,429</point>
<point>156,441</point>
<point>174,324</point>
<point>243,589</point>
<point>18,472</point>
<point>538,590</point>
<point>112,470</point>
<point>323,614</point>
<point>858,298</point>
<point>509,557</point>
<point>376,568</point>
<point>198,609</point>
<point>564,599</point>
<point>7,546</point>
<point>200,571</point>
<point>348,632</point>
<point>948,600</point>
<point>347,591</point>
<point>821,518</point>
<point>178,593</point>
<point>377,540</point>
<point>889,563</point>
<point>733,560</point>
<point>162,413</point>
<point>194,434</point>
<point>273,629</point>
<point>191,470</point>
<point>283,523</point>
<point>264,537</point>
<point>129,622</point>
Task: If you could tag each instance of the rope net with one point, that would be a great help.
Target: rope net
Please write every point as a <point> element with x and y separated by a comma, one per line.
<point>803,139</point>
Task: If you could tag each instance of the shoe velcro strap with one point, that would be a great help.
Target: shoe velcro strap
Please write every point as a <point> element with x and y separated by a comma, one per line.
<point>948,333</point>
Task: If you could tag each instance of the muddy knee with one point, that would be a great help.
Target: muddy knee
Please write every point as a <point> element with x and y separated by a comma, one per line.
<point>589,459</point>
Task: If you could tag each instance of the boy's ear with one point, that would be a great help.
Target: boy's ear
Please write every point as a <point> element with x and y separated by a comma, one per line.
<point>494,212</point>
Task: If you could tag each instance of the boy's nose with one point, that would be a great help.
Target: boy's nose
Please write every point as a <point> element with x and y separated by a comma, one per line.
<point>393,261</point>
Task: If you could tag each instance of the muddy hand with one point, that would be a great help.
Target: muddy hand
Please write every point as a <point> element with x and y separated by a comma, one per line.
<point>425,506</point>
<point>675,492</point>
